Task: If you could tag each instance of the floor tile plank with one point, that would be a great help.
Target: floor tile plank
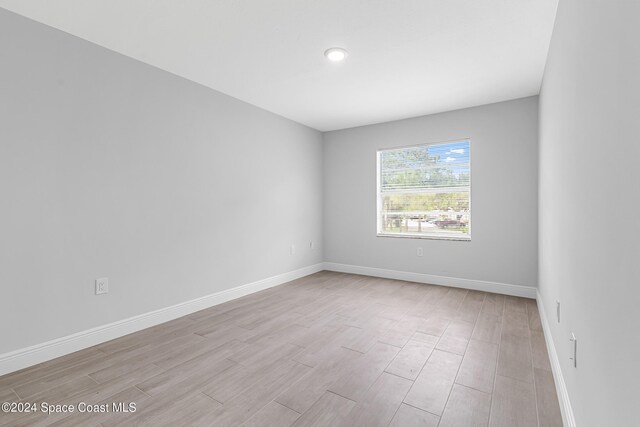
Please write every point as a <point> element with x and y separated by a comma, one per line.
<point>513,404</point>
<point>548,408</point>
<point>303,394</point>
<point>488,328</point>
<point>409,416</point>
<point>479,366</point>
<point>456,337</point>
<point>381,402</point>
<point>273,415</point>
<point>466,408</point>
<point>539,351</point>
<point>364,372</point>
<point>330,410</point>
<point>431,389</point>
<point>409,362</point>
<point>514,360</point>
<point>243,406</point>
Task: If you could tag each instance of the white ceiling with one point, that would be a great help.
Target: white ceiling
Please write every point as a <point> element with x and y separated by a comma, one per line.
<point>406,57</point>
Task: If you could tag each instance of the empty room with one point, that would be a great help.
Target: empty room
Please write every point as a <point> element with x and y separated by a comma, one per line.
<point>319,213</point>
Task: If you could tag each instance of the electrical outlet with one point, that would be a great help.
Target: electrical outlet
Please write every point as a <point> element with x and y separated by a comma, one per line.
<point>558,310</point>
<point>573,349</point>
<point>419,252</point>
<point>102,286</point>
<point>293,249</point>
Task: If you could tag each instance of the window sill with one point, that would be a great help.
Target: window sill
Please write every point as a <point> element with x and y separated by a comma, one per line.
<point>418,236</point>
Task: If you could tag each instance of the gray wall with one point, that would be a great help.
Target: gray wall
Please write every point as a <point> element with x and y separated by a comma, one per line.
<point>109,167</point>
<point>504,162</point>
<point>589,201</point>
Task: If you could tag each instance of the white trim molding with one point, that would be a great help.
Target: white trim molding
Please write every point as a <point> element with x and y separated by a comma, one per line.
<point>561,388</point>
<point>23,358</point>
<point>479,285</point>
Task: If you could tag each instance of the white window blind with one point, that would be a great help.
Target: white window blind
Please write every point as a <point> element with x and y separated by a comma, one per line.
<point>425,191</point>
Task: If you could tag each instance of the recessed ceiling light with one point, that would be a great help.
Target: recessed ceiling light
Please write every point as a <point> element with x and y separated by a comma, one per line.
<point>335,54</point>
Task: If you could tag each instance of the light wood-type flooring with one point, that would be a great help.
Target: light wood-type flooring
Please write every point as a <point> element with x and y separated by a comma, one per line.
<point>328,349</point>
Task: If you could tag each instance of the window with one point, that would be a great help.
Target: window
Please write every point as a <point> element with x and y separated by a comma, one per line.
<point>425,191</point>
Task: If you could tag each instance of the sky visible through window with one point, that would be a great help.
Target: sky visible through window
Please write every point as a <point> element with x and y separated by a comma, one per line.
<point>453,155</point>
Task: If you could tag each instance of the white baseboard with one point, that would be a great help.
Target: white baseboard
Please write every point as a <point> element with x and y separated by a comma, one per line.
<point>479,285</point>
<point>23,358</point>
<point>561,388</point>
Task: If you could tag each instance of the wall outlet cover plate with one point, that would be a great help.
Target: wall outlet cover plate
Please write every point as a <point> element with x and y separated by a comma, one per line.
<point>102,286</point>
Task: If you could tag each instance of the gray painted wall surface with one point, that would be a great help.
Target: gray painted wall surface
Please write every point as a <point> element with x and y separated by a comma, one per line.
<point>589,204</point>
<point>504,212</point>
<point>110,167</point>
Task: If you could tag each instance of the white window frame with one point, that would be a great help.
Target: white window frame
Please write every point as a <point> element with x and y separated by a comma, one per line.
<point>407,235</point>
